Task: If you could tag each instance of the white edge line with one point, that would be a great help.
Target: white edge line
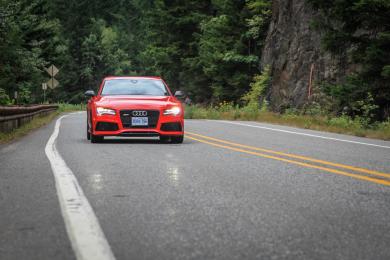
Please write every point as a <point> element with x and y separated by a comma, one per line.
<point>84,232</point>
<point>298,133</point>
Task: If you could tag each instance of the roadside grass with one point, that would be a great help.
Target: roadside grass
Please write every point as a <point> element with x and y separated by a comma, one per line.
<point>65,107</point>
<point>342,124</point>
<point>38,122</point>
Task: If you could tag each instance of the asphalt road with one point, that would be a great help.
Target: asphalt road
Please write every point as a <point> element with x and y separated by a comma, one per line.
<point>232,190</point>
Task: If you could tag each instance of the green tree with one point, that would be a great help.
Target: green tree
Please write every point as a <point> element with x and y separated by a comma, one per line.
<point>29,41</point>
<point>255,97</point>
<point>210,48</point>
<point>363,28</point>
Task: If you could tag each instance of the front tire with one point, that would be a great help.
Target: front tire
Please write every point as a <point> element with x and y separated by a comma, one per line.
<point>88,133</point>
<point>177,139</point>
<point>96,138</point>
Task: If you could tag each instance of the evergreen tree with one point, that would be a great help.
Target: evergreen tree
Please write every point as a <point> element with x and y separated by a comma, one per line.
<point>363,28</point>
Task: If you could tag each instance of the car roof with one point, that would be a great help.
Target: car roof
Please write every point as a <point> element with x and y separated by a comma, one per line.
<point>132,77</point>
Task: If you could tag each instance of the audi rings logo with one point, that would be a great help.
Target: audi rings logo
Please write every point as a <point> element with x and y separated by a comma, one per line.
<point>139,113</point>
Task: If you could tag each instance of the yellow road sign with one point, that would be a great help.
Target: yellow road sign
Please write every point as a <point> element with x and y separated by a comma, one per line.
<point>52,83</point>
<point>52,70</point>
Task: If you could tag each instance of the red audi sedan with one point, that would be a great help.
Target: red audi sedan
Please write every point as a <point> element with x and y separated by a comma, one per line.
<point>134,107</point>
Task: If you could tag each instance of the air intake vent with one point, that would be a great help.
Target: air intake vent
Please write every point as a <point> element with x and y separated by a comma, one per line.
<point>171,127</point>
<point>106,126</point>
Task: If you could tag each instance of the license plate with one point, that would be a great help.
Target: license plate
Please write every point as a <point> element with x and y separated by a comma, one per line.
<point>139,121</point>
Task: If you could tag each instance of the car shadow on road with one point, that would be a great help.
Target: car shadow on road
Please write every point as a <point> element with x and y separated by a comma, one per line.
<point>140,141</point>
<point>130,141</point>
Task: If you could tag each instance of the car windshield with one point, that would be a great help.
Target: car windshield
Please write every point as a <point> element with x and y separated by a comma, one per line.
<point>144,87</point>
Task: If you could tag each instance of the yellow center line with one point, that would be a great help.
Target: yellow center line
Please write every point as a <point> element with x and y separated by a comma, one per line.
<point>372,172</point>
<point>356,176</point>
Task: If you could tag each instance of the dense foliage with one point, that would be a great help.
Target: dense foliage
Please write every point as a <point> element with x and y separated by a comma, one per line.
<point>210,48</point>
<point>359,29</point>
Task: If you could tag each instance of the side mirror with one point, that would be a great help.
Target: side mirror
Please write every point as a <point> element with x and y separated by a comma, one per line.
<point>89,93</point>
<point>179,94</point>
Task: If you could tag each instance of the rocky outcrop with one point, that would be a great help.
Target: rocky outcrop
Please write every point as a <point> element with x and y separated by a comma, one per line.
<point>293,51</point>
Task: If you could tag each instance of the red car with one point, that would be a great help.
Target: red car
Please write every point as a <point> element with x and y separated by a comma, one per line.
<point>134,107</point>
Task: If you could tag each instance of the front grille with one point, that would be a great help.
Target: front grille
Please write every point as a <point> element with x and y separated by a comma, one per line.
<point>152,116</point>
<point>106,126</point>
<point>171,127</point>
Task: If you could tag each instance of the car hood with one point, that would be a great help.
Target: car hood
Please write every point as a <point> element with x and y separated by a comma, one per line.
<point>135,102</point>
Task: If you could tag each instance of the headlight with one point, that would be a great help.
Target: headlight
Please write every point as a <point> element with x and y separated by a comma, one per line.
<point>104,111</point>
<point>172,111</point>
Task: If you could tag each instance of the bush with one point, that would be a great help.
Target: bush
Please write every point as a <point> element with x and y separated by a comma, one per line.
<point>225,106</point>
<point>314,109</point>
<point>358,126</point>
<point>25,95</point>
<point>256,95</point>
<point>189,111</point>
<point>249,113</point>
<point>4,98</point>
<point>384,127</point>
<point>342,121</point>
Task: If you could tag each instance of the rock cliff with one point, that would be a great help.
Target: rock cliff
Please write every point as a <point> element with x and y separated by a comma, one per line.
<point>293,50</point>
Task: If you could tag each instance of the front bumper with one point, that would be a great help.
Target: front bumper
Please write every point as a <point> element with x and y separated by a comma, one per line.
<point>108,125</point>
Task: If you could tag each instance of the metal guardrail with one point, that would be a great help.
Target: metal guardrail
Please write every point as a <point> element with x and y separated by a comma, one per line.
<point>12,117</point>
